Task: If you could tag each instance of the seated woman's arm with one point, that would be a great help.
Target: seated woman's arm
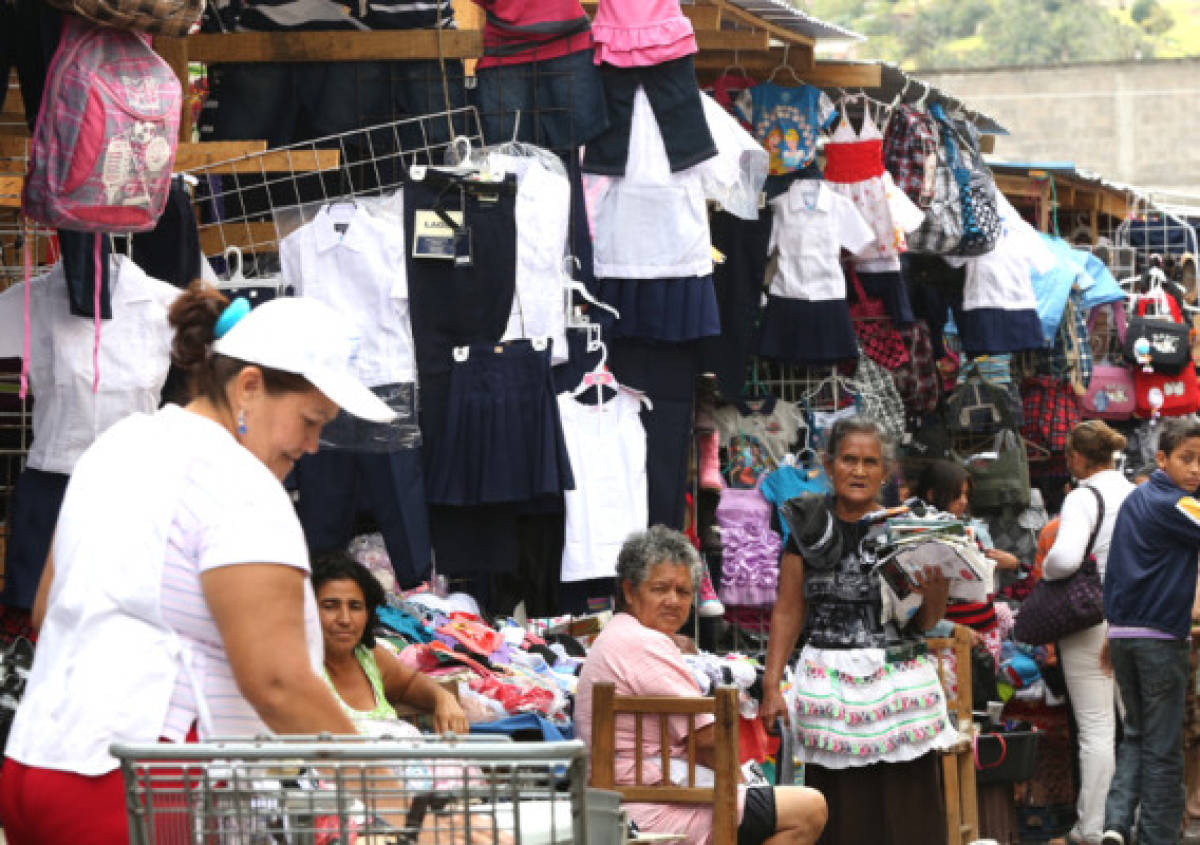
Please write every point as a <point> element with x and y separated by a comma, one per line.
<point>405,685</point>
<point>259,611</point>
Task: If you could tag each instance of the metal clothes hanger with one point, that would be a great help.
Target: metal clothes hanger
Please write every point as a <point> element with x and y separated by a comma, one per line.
<point>736,66</point>
<point>784,65</point>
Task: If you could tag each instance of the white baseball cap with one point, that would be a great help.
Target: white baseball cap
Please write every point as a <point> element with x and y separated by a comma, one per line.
<point>307,337</point>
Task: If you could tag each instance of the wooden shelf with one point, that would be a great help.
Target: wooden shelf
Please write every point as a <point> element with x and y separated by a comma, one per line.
<point>215,48</point>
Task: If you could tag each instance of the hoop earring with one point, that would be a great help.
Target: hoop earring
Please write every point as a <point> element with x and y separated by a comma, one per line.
<point>241,423</point>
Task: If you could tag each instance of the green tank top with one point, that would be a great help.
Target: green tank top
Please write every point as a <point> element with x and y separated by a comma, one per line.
<point>382,709</point>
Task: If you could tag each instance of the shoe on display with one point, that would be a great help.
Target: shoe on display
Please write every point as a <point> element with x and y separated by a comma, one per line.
<point>710,605</point>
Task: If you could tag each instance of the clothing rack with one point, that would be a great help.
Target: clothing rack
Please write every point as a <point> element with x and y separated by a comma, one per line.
<point>251,202</point>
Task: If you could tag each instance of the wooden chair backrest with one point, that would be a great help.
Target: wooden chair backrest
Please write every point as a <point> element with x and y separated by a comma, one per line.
<point>721,796</point>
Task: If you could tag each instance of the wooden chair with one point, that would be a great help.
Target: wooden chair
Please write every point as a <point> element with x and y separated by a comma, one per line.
<point>958,762</point>
<point>721,796</point>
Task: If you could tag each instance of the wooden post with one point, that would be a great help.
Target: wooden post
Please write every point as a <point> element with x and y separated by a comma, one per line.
<point>725,760</point>
<point>603,729</point>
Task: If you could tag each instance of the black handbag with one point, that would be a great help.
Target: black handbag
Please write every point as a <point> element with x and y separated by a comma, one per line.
<point>1056,609</point>
<point>1169,340</point>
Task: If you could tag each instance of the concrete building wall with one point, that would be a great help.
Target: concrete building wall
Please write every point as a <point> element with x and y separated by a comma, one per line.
<point>1133,122</point>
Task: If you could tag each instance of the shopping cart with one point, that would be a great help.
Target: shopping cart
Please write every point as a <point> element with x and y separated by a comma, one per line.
<point>355,791</point>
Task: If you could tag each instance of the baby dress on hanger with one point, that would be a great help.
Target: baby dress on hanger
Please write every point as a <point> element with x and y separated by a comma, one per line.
<point>854,169</point>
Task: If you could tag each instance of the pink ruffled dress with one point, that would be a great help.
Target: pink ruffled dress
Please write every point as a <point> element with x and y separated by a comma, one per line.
<point>640,33</point>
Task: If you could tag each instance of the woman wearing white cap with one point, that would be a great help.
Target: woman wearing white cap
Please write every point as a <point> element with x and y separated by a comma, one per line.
<point>176,603</point>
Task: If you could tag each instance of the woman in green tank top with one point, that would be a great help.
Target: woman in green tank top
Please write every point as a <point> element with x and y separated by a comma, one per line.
<point>367,678</point>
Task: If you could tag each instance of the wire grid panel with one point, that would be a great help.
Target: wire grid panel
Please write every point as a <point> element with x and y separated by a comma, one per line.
<point>354,790</point>
<point>16,414</point>
<point>241,201</point>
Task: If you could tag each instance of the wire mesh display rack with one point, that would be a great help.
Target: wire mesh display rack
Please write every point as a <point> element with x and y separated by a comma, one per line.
<point>344,790</point>
<point>255,200</point>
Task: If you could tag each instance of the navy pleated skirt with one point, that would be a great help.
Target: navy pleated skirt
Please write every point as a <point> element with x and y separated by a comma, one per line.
<point>667,310</point>
<point>800,331</point>
<point>992,331</point>
<point>503,438</point>
<point>891,288</point>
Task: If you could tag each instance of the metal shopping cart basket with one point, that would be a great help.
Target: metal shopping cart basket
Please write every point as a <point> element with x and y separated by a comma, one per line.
<point>355,791</point>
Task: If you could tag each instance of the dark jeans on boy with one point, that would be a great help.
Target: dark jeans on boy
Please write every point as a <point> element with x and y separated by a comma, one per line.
<point>1152,677</point>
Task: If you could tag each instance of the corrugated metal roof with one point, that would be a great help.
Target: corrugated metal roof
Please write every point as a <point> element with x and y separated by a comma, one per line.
<point>784,14</point>
<point>894,81</point>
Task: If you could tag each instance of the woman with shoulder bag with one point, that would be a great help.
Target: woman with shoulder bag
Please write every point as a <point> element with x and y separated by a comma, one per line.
<point>1090,449</point>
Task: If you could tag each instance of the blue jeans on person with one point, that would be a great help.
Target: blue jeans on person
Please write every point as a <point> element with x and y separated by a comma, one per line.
<point>1152,679</point>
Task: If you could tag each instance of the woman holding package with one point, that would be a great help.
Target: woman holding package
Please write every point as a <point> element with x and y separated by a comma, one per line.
<point>866,704</point>
<point>1089,510</point>
<point>176,605</point>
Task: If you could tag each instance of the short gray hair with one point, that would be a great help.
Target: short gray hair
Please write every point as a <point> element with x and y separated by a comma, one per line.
<point>644,550</point>
<point>857,424</point>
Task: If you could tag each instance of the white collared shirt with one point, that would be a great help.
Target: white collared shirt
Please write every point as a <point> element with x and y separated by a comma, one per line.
<point>652,223</point>
<point>362,274</point>
<point>812,225</point>
<point>543,213</point>
<point>135,353</point>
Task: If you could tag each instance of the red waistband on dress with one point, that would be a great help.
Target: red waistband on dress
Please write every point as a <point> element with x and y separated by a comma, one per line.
<point>853,161</point>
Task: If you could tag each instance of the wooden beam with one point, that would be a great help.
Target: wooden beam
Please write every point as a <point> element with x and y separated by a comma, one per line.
<point>743,40</point>
<point>1013,185</point>
<point>202,155</point>
<point>250,238</point>
<point>395,45</point>
<point>710,64</point>
<point>784,34</point>
<point>10,191</point>
<point>281,161</point>
<point>987,144</point>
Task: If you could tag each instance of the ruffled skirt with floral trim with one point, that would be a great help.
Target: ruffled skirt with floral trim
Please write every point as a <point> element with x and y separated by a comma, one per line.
<point>852,707</point>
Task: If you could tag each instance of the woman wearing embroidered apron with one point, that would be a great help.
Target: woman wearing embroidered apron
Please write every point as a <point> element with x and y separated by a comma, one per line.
<point>367,678</point>
<point>175,604</point>
<point>866,705</point>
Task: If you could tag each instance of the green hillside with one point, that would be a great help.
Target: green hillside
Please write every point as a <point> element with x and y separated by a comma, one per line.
<point>983,33</point>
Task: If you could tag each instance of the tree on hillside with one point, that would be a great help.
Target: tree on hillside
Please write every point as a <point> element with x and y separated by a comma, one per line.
<point>978,33</point>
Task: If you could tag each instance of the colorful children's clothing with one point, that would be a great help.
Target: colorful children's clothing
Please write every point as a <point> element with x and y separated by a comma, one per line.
<point>757,435</point>
<point>750,549</point>
<point>854,169</point>
<point>638,33</point>
<point>788,121</point>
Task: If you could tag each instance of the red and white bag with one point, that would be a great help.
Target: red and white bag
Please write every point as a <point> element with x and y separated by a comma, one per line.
<point>106,133</point>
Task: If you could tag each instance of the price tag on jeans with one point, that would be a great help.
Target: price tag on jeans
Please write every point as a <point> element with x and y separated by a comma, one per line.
<point>432,236</point>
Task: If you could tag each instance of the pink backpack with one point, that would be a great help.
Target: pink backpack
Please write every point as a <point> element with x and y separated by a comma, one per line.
<point>106,133</point>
